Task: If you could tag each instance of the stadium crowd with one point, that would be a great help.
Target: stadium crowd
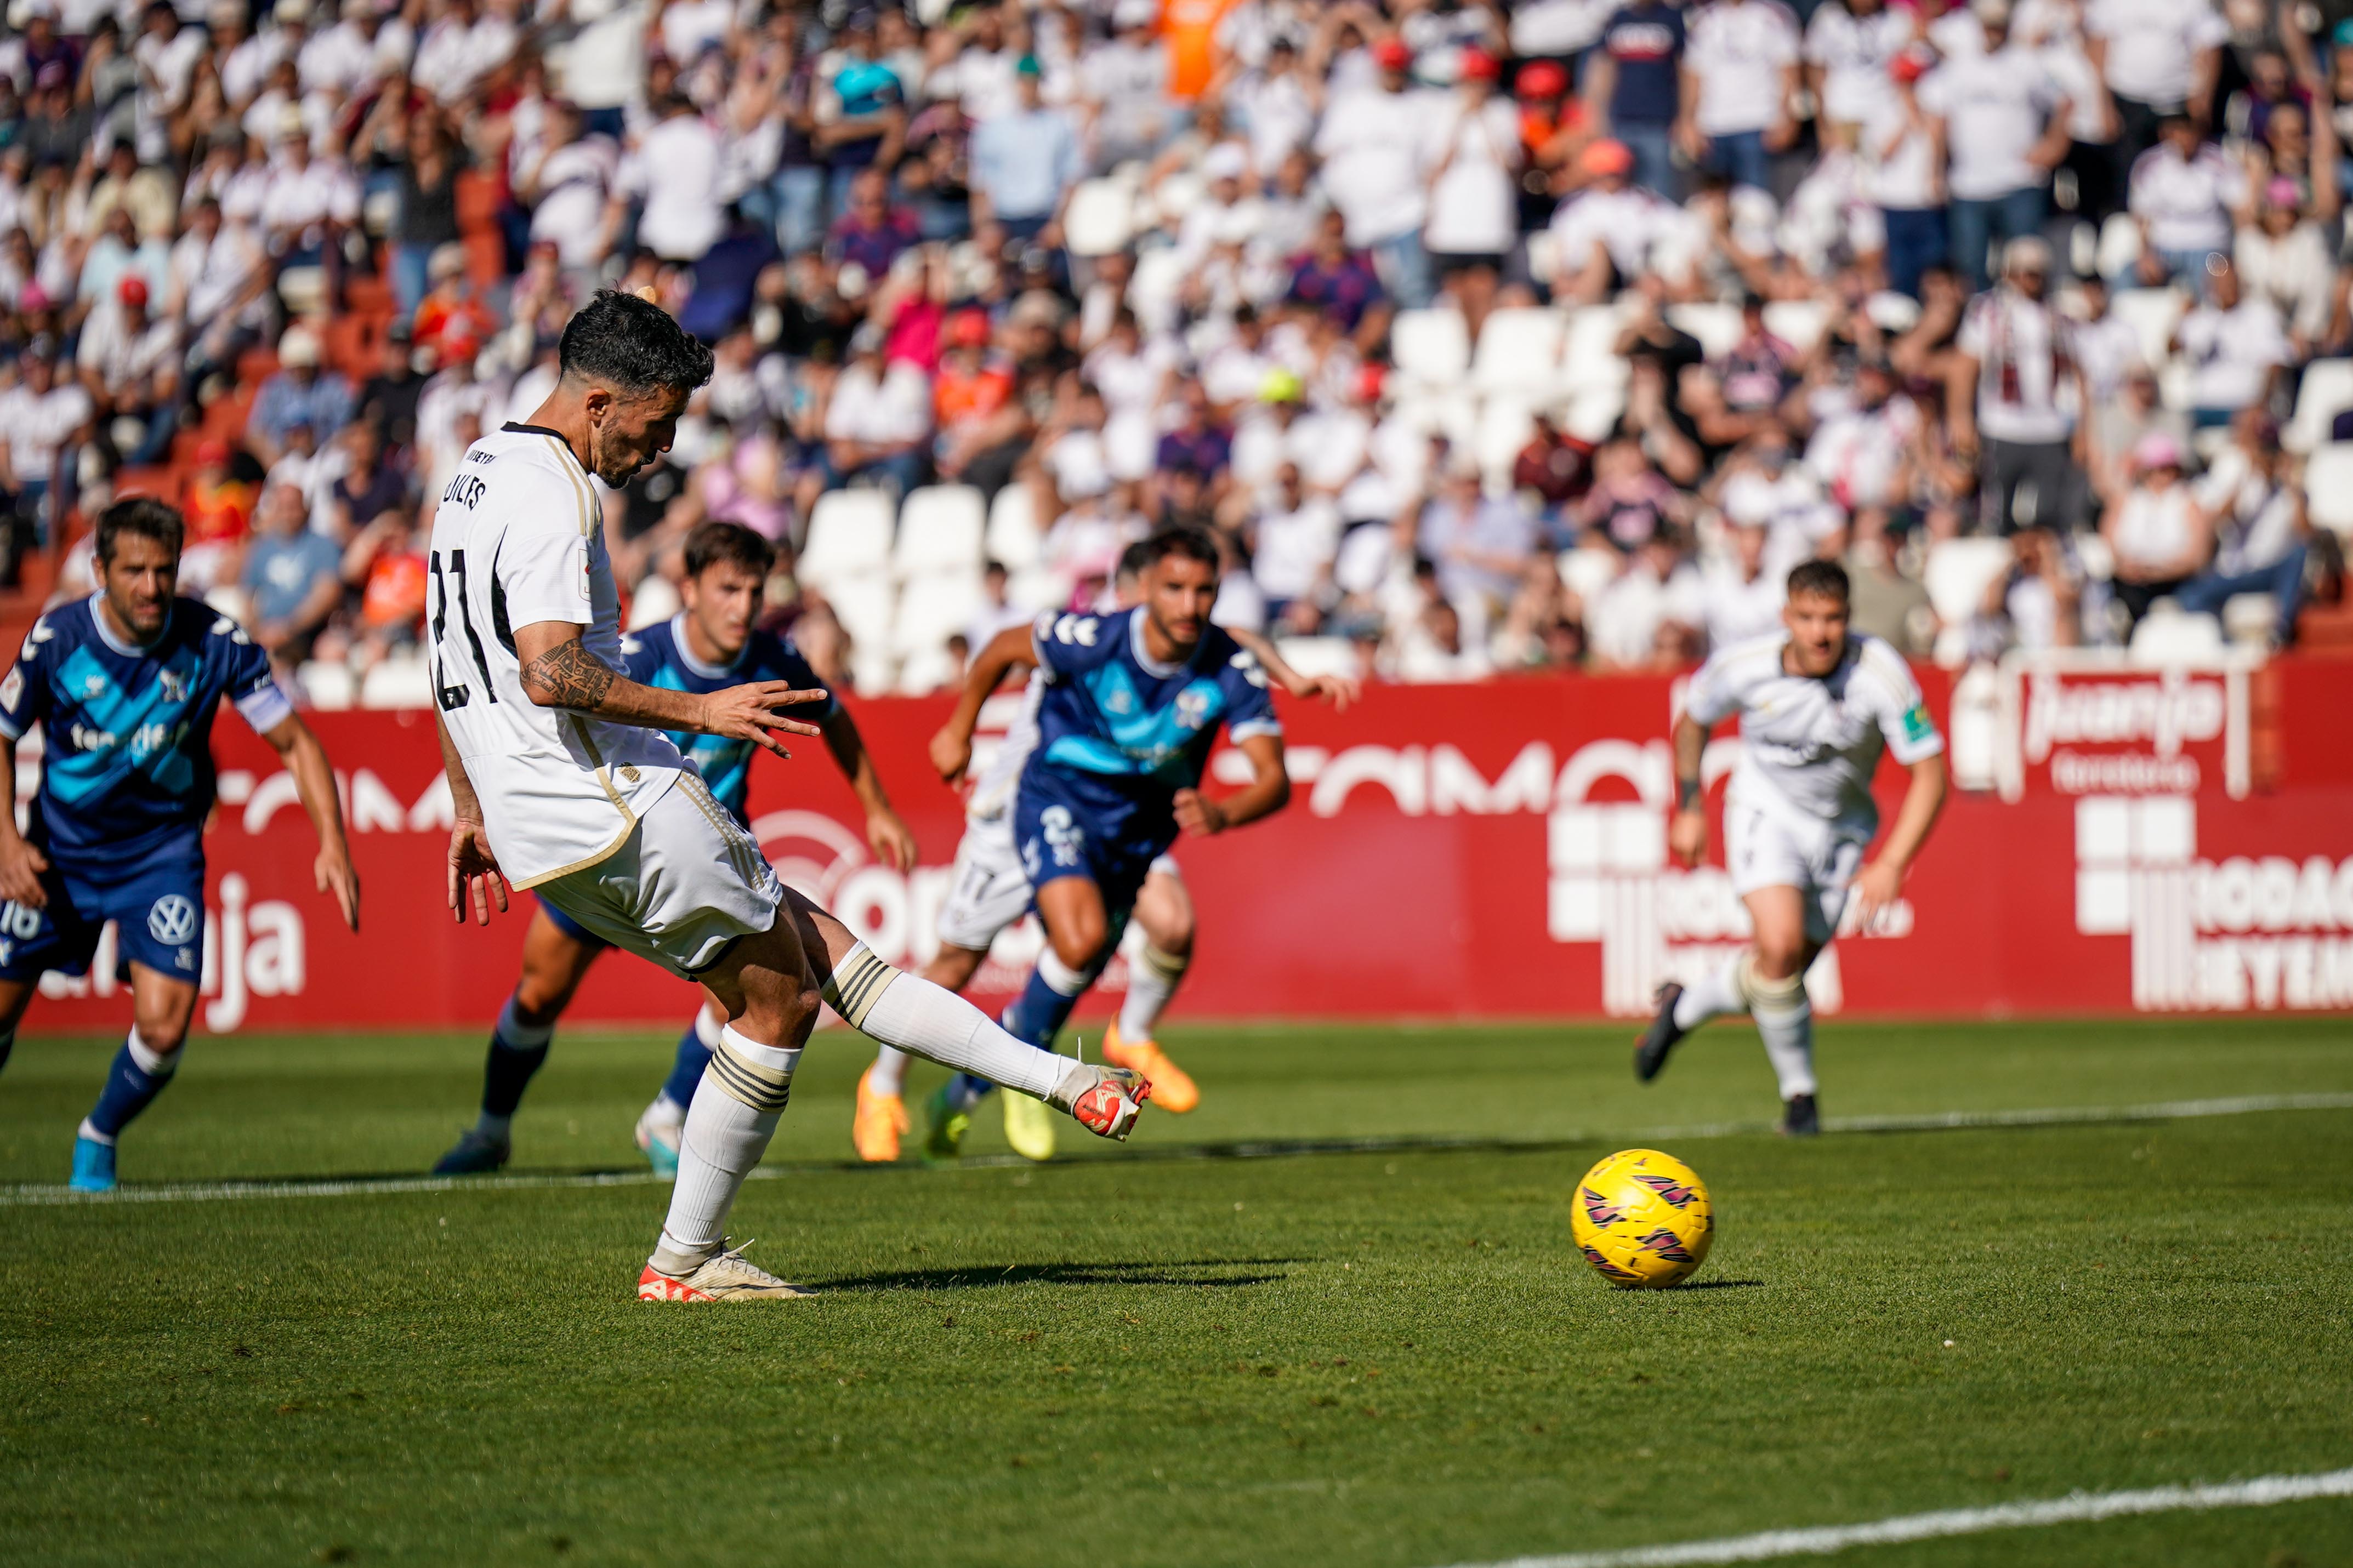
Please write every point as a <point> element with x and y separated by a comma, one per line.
<point>1487,337</point>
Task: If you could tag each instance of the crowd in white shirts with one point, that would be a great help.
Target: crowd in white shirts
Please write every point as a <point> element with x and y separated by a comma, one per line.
<point>1487,336</point>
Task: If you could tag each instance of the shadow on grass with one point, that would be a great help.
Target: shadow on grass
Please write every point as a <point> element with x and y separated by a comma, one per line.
<point>985,1278</point>
<point>1690,1285</point>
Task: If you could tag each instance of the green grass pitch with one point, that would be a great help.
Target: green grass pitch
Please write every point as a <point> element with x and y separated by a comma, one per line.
<point>1170,1355</point>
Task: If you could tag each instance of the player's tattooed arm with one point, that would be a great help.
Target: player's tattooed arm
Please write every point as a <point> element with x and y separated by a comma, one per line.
<point>560,671</point>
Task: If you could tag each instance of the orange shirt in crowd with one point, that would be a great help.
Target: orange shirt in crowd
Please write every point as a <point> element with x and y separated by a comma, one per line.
<point>966,389</point>
<point>217,512</point>
<point>395,592</point>
<point>1191,29</point>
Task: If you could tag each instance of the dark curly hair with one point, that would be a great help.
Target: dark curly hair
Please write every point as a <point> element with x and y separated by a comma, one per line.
<point>633,345</point>
<point>1827,578</point>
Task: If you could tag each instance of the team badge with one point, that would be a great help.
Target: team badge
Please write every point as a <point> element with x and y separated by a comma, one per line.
<point>173,920</point>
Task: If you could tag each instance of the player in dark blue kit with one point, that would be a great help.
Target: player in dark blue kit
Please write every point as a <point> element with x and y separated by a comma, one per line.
<point>125,685</point>
<point>1131,704</point>
<point>708,645</point>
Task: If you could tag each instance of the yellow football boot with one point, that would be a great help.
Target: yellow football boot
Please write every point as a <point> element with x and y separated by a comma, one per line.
<point>1172,1090</point>
<point>1028,1126</point>
<point>881,1120</point>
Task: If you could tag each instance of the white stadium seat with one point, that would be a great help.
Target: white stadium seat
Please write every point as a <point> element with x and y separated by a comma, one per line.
<point>930,608</point>
<point>1586,571</point>
<point>1505,425</point>
<point>1716,325</point>
<point>1958,572</point>
<point>655,601</point>
<point>1037,588</point>
<point>1519,352</point>
<point>924,671</point>
<point>2119,244</point>
<point>329,688</point>
<point>1797,322</point>
<point>1431,347</point>
<point>940,529</point>
<point>2250,618</point>
<point>2170,636</point>
<point>865,606</point>
<point>2152,314</point>
<point>2328,486</point>
<point>850,535</point>
<point>2327,390</point>
<point>1100,217</point>
<point>1320,656</point>
<point>1152,292</point>
<point>1014,538</point>
<point>397,683</point>
<point>1590,358</point>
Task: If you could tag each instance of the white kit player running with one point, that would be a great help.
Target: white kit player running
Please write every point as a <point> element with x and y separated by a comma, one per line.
<point>1817,705</point>
<point>564,782</point>
<point>989,890</point>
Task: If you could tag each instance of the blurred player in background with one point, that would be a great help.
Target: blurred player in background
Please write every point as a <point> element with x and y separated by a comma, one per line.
<point>1817,705</point>
<point>562,772</point>
<point>125,685</point>
<point>1127,707</point>
<point>990,890</point>
<point>709,645</point>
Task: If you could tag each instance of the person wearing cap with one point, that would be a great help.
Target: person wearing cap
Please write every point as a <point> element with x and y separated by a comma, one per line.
<point>1554,129</point>
<point>2013,383</point>
<point>1373,144</point>
<point>128,356</point>
<point>1633,86</point>
<point>1123,87</point>
<point>1605,235</point>
<point>2182,195</point>
<point>1904,177</point>
<point>1740,87</point>
<point>120,252</point>
<point>2002,121</point>
<point>2236,346</point>
<point>1473,158</point>
<point>2160,535</point>
<point>1024,166</point>
<point>297,393</point>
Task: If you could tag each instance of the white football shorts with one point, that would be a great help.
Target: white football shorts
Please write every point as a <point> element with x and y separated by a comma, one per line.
<point>1766,849</point>
<point>683,886</point>
<point>989,890</point>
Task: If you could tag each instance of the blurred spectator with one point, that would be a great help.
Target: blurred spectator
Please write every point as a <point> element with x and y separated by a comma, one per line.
<point>1372,145</point>
<point>2118,425</point>
<point>1293,540</point>
<point>2160,535</point>
<point>1633,86</point>
<point>2013,385</point>
<point>43,417</point>
<point>2002,121</point>
<point>2235,346</point>
<point>1650,616</point>
<point>1740,596</point>
<point>1024,165</point>
<point>2154,55</point>
<point>1473,158</point>
<point>297,393</point>
<point>1479,544</point>
<point>2259,528</point>
<point>877,420</point>
<point>1740,87</point>
<point>130,360</point>
<point>2183,192</point>
<point>2035,603</point>
<point>291,577</point>
<point>1883,601</point>
<point>385,565</point>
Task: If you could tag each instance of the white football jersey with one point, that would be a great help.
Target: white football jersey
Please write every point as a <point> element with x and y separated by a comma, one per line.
<point>1810,746</point>
<point>517,539</point>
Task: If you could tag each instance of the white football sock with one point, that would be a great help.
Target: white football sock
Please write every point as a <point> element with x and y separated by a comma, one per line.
<point>734,1114</point>
<point>1151,980</point>
<point>889,1073</point>
<point>1785,1021</point>
<point>1712,996</point>
<point>934,1022</point>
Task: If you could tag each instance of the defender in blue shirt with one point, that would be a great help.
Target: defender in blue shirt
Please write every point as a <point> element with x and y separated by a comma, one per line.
<point>707,646</point>
<point>1132,705</point>
<point>125,685</point>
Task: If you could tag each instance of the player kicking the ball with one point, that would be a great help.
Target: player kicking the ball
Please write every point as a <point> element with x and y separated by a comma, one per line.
<point>1129,706</point>
<point>564,780</point>
<point>708,645</point>
<point>1816,704</point>
<point>989,890</point>
<point>125,685</point>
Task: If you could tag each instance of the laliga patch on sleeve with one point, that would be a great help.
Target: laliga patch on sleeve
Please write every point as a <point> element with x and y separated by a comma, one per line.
<point>1917,726</point>
<point>12,688</point>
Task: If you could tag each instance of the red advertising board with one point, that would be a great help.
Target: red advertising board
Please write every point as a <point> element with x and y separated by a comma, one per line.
<point>2137,840</point>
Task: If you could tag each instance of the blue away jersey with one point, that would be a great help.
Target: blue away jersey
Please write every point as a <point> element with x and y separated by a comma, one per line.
<point>1131,728</point>
<point>128,775</point>
<point>658,656</point>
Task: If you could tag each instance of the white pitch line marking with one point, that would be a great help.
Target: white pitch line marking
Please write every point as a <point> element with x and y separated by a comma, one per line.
<point>32,1194</point>
<point>2077,1507</point>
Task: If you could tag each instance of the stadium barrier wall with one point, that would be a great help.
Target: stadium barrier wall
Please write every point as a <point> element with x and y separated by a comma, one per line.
<point>2146,841</point>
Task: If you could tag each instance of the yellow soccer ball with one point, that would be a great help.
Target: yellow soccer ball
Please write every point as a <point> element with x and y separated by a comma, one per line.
<point>1642,1219</point>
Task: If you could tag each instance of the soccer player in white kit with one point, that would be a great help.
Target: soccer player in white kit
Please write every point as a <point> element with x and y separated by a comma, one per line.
<point>564,782</point>
<point>1816,704</point>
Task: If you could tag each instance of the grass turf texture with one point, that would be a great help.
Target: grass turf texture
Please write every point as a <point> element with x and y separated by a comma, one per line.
<point>1388,1358</point>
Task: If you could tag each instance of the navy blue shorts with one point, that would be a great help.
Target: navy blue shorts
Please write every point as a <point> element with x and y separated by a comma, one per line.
<point>571,927</point>
<point>159,915</point>
<point>1058,839</point>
